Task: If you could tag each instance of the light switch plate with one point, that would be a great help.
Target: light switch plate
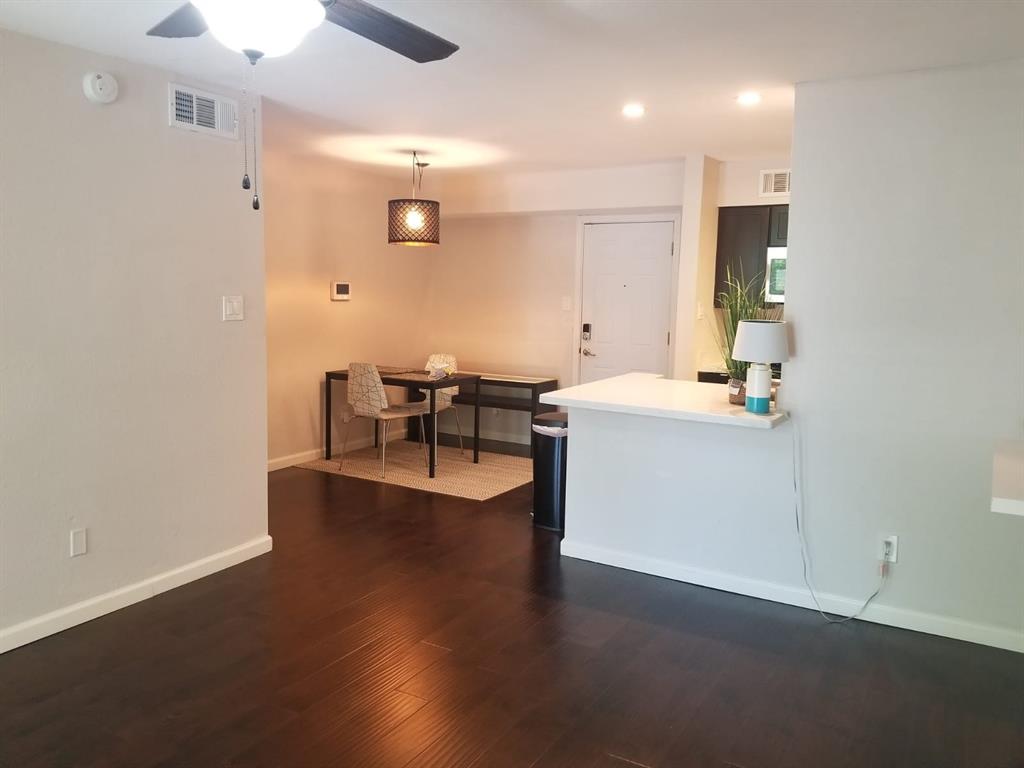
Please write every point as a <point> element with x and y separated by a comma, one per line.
<point>233,308</point>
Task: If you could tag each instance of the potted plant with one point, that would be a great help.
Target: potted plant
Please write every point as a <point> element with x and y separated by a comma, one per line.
<point>741,300</point>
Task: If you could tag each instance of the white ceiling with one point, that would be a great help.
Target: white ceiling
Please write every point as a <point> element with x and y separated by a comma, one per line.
<point>541,82</point>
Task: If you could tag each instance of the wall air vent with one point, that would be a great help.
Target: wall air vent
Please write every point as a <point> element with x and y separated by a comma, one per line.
<point>774,183</point>
<point>202,112</point>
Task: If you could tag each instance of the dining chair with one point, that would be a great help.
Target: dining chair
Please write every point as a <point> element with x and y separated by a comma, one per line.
<point>443,398</point>
<point>367,399</point>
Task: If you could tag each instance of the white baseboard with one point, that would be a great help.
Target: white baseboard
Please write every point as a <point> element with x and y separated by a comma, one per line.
<point>317,453</point>
<point>296,458</point>
<point>87,610</point>
<point>934,624</point>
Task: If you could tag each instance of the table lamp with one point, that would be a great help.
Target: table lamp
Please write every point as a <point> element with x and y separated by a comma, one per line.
<point>760,343</point>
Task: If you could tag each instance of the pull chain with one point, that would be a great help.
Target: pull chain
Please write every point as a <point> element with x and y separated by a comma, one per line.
<point>245,130</point>
<point>255,145</point>
<point>255,168</point>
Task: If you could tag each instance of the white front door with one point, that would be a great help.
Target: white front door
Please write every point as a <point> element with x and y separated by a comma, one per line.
<point>626,300</point>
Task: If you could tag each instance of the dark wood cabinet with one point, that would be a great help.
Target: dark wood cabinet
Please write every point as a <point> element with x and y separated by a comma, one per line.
<point>744,236</point>
<point>742,240</point>
<point>778,227</point>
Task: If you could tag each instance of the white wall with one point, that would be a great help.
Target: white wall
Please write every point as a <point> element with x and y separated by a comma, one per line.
<point>909,332</point>
<point>696,280</point>
<point>739,181</point>
<point>128,407</point>
<point>327,221</point>
<point>587,190</point>
<point>496,293</point>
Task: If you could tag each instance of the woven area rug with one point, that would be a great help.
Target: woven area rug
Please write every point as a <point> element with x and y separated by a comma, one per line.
<point>457,475</point>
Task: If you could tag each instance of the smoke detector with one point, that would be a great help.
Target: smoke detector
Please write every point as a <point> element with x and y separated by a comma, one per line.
<point>99,87</point>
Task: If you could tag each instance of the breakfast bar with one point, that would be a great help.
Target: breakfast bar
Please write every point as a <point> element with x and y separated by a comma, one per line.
<point>668,478</point>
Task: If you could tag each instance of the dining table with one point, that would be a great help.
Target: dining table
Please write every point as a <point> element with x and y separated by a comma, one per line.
<point>417,382</point>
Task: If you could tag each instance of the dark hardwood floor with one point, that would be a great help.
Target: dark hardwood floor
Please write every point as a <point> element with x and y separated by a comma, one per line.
<point>394,628</point>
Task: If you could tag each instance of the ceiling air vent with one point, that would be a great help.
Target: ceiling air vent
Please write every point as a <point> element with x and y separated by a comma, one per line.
<point>203,112</point>
<point>774,183</point>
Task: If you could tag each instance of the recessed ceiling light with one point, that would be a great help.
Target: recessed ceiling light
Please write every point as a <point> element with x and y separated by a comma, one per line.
<point>633,110</point>
<point>748,99</point>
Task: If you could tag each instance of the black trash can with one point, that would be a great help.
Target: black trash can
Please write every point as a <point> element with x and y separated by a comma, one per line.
<point>549,447</point>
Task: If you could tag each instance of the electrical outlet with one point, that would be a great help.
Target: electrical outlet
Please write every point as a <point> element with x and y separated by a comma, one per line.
<point>890,549</point>
<point>79,542</point>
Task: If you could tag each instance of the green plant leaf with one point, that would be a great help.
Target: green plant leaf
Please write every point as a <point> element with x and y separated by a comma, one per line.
<point>741,300</point>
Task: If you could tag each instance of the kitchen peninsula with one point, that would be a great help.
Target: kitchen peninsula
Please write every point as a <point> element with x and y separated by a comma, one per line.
<point>667,478</point>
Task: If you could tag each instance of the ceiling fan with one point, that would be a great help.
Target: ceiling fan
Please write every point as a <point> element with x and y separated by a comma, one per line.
<point>276,27</point>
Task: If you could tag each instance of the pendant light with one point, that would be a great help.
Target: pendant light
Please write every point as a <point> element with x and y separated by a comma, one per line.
<point>413,221</point>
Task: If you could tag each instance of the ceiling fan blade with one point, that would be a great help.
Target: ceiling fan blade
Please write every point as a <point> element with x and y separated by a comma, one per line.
<point>187,21</point>
<point>390,31</point>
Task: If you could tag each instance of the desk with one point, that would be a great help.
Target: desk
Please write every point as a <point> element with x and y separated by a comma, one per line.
<point>413,381</point>
<point>537,385</point>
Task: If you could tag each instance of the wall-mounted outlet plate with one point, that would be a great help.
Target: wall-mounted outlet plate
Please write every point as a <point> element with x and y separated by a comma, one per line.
<point>890,549</point>
<point>79,542</point>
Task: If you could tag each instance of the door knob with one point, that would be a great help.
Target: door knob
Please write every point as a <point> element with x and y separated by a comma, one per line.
<point>588,353</point>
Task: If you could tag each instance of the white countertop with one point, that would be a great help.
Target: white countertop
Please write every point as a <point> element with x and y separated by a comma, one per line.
<point>1008,478</point>
<point>647,394</point>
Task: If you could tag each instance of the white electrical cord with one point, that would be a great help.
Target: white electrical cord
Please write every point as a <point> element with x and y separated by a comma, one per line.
<point>883,570</point>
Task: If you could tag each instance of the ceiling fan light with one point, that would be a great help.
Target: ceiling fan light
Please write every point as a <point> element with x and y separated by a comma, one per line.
<point>271,27</point>
<point>414,222</point>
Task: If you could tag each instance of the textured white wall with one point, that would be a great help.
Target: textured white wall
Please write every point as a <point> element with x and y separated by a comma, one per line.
<point>127,406</point>
<point>906,271</point>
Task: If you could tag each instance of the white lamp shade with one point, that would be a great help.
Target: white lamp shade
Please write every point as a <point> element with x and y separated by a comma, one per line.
<point>271,27</point>
<point>761,341</point>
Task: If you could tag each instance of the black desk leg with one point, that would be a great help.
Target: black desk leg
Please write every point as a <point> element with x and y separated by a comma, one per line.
<point>433,431</point>
<point>412,424</point>
<point>327,417</point>
<point>534,407</point>
<point>476,425</point>
<point>376,433</point>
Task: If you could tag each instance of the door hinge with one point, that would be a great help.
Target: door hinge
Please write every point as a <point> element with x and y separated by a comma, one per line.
<point>668,338</point>
<point>672,251</point>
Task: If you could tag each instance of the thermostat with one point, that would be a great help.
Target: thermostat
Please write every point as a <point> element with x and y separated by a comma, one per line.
<point>99,87</point>
<point>341,292</point>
